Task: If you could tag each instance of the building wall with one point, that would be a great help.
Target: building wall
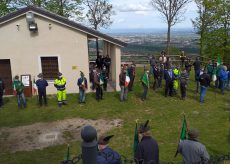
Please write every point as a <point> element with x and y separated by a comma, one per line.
<point>24,49</point>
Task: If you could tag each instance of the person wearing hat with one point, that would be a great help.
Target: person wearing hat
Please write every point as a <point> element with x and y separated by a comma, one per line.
<point>82,84</point>
<point>19,89</point>
<point>192,150</point>
<point>60,83</point>
<point>145,84</point>
<point>204,80</point>
<point>2,89</point>
<point>41,84</point>
<point>106,155</point>
<point>147,150</point>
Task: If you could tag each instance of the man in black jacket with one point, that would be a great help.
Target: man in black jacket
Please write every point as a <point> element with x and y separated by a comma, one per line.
<point>147,150</point>
<point>204,80</point>
<point>2,88</point>
<point>196,65</point>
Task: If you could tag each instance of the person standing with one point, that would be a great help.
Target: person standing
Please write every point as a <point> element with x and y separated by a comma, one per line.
<point>104,78</point>
<point>107,64</point>
<point>152,64</point>
<point>2,89</point>
<point>41,84</point>
<point>183,83</point>
<point>19,90</point>
<point>188,65</point>
<point>60,83</point>
<point>156,75</point>
<point>192,150</point>
<point>145,84</point>
<point>182,58</point>
<point>123,85</point>
<point>83,86</point>
<point>132,74</point>
<point>168,75</point>
<point>176,75</point>
<point>106,155</point>
<point>147,150</point>
<point>98,82</point>
<point>204,80</point>
<point>210,68</point>
<point>196,65</point>
<point>223,76</point>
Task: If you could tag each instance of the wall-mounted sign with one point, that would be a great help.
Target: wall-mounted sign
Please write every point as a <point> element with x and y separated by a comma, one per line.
<point>26,80</point>
<point>74,67</point>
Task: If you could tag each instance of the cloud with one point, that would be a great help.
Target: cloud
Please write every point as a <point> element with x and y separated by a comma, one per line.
<point>121,20</point>
<point>133,8</point>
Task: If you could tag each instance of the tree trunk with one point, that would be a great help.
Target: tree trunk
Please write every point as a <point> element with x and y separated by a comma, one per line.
<point>168,38</point>
<point>97,47</point>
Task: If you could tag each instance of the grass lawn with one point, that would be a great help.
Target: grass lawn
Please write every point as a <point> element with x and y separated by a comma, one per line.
<point>210,118</point>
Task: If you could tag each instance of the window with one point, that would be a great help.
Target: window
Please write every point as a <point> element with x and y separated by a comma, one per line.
<point>49,67</point>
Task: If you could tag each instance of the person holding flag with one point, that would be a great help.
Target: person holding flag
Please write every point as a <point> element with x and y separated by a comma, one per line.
<point>192,150</point>
<point>147,151</point>
<point>145,84</point>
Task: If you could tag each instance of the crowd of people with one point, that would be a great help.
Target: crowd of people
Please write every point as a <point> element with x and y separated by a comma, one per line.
<point>147,150</point>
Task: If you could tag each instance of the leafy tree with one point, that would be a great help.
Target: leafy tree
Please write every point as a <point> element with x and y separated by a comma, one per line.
<point>98,15</point>
<point>5,8</point>
<point>172,12</point>
<point>66,8</point>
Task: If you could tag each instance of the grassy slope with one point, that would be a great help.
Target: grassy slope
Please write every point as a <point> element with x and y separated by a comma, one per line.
<point>211,119</point>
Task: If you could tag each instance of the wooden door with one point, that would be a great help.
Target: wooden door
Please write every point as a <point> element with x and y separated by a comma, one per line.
<point>5,74</point>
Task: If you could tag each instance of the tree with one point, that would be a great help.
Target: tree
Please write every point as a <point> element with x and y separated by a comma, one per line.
<point>98,15</point>
<point>172,12</point>
<point>5,8</point>
<point>65,8</point>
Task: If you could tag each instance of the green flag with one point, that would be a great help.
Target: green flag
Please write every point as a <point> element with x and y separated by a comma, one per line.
<point>145,79</point>
<point>136,140</point>
<point>67,154</point>
<point>183,134</point>
<point>218,59</point>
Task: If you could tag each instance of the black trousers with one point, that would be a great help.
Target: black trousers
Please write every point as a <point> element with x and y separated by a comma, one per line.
<point>168,88</point>
<point>183,91</point>
<point>42,94</point>
<point>1,99</point>
<point>99,92</point>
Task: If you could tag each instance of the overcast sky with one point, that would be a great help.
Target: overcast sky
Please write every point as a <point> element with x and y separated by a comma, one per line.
<point>140,14</point>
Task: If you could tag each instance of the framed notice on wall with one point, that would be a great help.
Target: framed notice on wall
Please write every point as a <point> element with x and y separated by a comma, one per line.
<point>25,80</point>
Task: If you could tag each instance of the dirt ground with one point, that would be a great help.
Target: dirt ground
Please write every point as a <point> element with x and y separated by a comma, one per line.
<point>41,135</point>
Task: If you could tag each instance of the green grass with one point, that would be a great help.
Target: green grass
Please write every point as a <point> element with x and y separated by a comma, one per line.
<point>211,119</point>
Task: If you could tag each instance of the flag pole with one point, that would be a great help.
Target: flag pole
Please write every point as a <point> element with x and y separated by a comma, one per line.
<point>180,135</point>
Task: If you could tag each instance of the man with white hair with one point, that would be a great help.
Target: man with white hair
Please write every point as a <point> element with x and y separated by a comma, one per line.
<point>192,150</point>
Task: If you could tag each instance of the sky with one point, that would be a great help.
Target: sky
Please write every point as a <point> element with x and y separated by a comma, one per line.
<point>133,14</point>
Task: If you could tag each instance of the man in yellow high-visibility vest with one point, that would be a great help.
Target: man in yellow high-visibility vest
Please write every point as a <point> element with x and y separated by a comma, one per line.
<point>60,83</point>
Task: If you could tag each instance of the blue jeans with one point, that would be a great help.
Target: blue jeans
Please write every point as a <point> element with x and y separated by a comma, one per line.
<point>19,97</point>
<point>203,90</point>
<point>81,96</point>
<point>123,93</point>
<point>223,85</point>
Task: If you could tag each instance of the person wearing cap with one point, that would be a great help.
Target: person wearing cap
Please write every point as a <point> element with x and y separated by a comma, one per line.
<point>19,89</point>
<point>204,80</point>
<point>106,155</point>
<point>192,150</point>
<point>123,85</point>
<point>145,84</point>
<point>41,84</point>
<point>82,84</point>
<point>147,150</point>
<point>2,89</point>
<point>60,83</point>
